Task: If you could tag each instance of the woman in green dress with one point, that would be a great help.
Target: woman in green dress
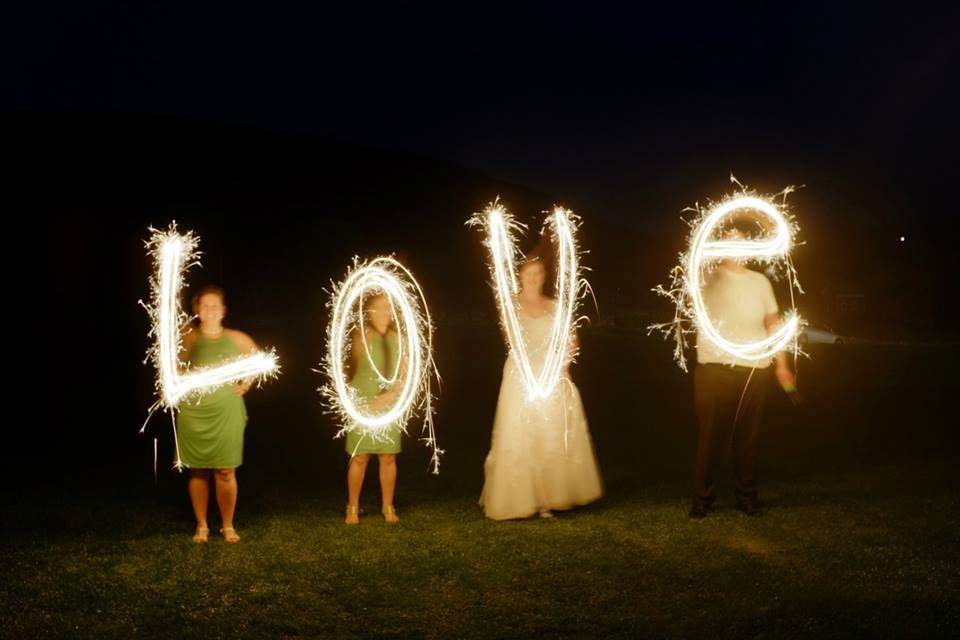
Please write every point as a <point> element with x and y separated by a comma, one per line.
<point>374,359</point>
<point>210,428</point>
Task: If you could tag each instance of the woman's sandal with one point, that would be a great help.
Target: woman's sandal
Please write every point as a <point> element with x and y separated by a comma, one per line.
<point>201,535</point>
<point>390,514</point>
<point>353,515</point>
<point>230,534</point>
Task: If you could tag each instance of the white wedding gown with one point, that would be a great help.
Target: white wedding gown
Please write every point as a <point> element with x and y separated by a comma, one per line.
<point>541,456</point>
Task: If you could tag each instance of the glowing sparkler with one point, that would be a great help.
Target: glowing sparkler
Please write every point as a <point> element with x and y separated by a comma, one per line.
<point>499,226</point>
<point>174,254</point>
<point>705,250</point>
<point>414,368</point>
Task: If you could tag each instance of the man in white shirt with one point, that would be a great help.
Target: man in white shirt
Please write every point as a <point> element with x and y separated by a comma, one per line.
<point>729,392</point>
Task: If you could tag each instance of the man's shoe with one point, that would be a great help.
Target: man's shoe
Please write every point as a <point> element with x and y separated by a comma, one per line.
<point>750,505</point>
<point>699,509</point>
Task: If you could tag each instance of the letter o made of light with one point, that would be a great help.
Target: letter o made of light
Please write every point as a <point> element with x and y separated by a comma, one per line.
<point>378,275</point>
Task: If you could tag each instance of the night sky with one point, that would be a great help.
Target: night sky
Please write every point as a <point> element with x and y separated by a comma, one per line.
<point>295,139</point>
<point>577,100</point>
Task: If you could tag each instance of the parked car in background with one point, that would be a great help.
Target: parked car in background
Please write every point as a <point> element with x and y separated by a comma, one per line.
<point>813,334</point>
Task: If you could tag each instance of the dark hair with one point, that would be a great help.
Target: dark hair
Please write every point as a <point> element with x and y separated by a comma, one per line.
<point>202,291</point>
<point>747,224</point>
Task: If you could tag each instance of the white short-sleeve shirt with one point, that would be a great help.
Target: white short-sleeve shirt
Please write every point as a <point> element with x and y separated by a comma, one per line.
<point>737,302</point>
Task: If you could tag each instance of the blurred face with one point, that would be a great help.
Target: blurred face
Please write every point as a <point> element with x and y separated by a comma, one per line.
<point>734,234</point>
<point>378,313</point>
<point>210,310</point>
<point>532,276</point>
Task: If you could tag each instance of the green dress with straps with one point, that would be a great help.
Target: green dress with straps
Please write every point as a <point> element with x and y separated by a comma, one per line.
<point>210,428</point>
<point>382,350</point>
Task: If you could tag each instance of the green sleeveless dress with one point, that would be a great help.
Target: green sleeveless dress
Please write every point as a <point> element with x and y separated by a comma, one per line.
<point>382,350</point>
<point>210,428</point>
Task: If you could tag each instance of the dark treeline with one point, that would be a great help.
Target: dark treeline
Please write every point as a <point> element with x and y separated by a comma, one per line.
<point>280,215</point>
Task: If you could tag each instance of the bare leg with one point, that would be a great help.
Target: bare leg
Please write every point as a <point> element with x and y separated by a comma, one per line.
<point>388,484</point>
<point>226,481</point>
<point>355,473</point>
<point>198,486</point>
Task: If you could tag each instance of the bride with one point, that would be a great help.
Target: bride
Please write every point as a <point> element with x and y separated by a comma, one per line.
<point>541,458</point>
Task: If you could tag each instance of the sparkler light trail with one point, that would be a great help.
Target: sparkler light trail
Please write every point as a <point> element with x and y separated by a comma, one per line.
<point>414,369</point>
<point>705,250</point>
<point>499,227</point>
<point>174,254</point>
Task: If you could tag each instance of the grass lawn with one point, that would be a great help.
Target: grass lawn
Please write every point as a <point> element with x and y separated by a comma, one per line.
<point>859,538</point>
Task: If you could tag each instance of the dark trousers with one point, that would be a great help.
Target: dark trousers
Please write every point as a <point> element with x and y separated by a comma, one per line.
<point>717,391</point>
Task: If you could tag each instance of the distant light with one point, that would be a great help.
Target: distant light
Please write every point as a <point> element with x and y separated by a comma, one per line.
<point>903,238</point>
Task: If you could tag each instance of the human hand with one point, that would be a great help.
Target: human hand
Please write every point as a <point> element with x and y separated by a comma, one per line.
<point>786,378</point>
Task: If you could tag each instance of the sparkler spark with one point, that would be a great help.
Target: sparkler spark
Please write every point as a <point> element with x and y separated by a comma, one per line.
<point>499,228</point>
<point>414,369</point>
<point>174,254</point>
<point>704,251</point>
